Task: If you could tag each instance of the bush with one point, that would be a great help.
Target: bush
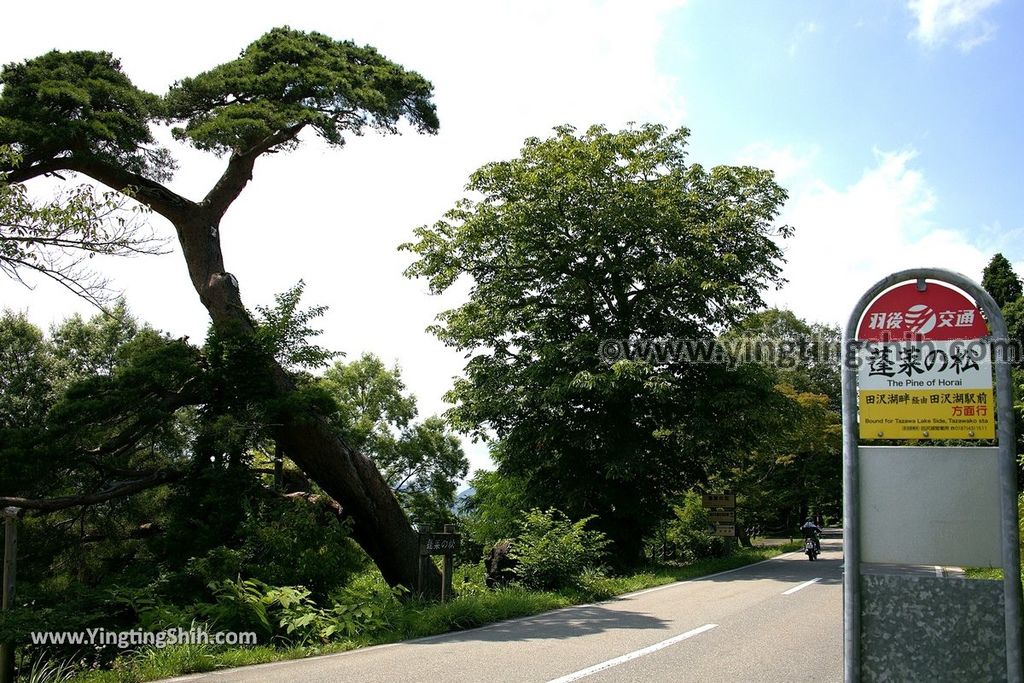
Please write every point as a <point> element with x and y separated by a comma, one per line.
<point>691,533</point>
<point>294,542</point>
<point>554,552</point>
<point>282,543</point>
<point>289,613</point>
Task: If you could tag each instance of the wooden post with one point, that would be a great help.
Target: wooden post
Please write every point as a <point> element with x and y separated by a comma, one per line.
<point>10,515</point>
<point>447,569</point>
<point>419,566</point>
<point>278,468</point>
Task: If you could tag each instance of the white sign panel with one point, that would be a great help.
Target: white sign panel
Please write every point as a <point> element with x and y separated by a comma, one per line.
<point>934,506</point>
<point>927,365</point>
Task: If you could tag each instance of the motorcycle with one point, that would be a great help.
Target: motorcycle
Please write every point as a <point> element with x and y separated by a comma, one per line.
<point>811,548</point>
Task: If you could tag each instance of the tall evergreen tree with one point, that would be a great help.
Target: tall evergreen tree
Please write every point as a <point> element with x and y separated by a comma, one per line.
<point>1000,281</point>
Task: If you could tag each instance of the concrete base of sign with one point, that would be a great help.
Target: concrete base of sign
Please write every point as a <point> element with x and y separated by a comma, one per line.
<point>920,628</point>
<point>930,505</point>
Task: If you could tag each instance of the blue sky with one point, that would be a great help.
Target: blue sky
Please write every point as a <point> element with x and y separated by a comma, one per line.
<point>847,78</point>
<point>894,125</point>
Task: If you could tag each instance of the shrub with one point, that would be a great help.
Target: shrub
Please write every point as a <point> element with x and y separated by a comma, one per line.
<point>691,533</point>
<point>289,613</point>
<point>298,543</point>
<point>554,552</point>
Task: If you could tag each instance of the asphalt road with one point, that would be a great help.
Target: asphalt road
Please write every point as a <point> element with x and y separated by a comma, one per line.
<point>779,620</point>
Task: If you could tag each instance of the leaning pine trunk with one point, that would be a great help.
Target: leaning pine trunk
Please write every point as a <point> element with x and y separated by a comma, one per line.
<point>379,524</point>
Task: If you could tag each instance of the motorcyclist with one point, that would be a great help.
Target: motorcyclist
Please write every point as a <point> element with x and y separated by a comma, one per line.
<point>812,530</point>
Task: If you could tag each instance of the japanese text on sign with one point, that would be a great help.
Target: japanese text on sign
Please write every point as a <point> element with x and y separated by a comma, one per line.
<point>719,500</point>
<point>926,390</point>
<point>900,320</point>
<point>439,544</point>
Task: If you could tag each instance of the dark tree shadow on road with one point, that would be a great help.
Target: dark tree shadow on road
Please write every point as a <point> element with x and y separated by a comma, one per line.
<point>561,624</point>
<point>791,568</point>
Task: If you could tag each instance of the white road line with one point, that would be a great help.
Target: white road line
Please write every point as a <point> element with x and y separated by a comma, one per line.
<point>632,655</point>
<point>803,585</point>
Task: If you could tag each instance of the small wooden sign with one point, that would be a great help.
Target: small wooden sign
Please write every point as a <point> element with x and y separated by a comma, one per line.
<point>719,500</point>
<point>725,530</point>
<point>439,544</point>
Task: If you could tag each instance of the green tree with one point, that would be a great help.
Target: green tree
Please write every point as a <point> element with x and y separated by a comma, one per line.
<point>126,442</point>
<point>26,371</point>
<point>1001,281</point>
<point>492,510</point>
<point>98,419</point>
<point>88,347</point>
<point>806,355</point>
<point>586,242</point>
<point>797,464</point>
<point>78,112</point>
<point>421,461</point>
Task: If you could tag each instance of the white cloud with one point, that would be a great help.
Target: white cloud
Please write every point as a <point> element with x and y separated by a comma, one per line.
<point>848,239</point>
<point>787,161</point>
<point>800,33</point>
<point>960,21</point>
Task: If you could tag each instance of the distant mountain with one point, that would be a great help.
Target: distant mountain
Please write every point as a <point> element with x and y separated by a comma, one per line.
<point>460,498</point>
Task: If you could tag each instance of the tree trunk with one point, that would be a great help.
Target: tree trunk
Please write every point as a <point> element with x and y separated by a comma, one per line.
<point>744,536</point>
<point>379,524</point>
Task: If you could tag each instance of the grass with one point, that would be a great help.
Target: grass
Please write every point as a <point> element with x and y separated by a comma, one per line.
<point>986,573</point>
<point>663,574</point>
<point>475,606</point>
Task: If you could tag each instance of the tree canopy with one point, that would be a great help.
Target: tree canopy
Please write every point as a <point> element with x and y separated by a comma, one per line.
<point>80,111</point>
<point>421,460</point>
<point>287,79</point>
<point>594,238</point>
<point>1001,281</point>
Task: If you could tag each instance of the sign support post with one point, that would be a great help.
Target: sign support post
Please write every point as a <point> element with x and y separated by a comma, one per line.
<point>10,516</point>
<point>447,544</point>
<point>860,545</point>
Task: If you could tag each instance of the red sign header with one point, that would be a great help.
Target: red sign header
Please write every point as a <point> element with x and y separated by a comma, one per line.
<point>939,313</point>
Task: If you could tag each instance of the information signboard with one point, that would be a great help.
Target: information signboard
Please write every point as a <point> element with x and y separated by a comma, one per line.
<point>924,371</point>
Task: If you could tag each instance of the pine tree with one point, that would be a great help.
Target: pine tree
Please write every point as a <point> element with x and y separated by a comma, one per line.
<point>1000,281</point>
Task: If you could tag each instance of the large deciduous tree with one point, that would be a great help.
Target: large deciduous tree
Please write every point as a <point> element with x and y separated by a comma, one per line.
<point>78,112</point>
<point>585,243</point>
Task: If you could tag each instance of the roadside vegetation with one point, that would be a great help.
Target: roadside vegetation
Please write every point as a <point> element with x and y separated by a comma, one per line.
<point>385,621</point>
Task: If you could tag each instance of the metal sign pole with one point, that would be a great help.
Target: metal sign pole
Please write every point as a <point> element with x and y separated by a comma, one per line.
<point>448,568</point>
<point>851,502</point>
<point>1009,533</point>
<point>1008,480</point>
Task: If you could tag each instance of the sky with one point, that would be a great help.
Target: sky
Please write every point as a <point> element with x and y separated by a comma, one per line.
<point>894,125</point>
